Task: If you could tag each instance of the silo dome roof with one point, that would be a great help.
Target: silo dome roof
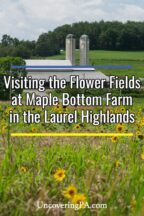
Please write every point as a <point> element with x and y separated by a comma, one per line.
<point>84,36</point>
<point>69,36</point>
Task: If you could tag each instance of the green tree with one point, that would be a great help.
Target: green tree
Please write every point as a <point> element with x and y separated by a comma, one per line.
<point>5,70</point>
<point>47,45</point>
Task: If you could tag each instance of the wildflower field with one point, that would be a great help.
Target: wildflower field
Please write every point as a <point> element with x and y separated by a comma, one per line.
<point>75,170</point>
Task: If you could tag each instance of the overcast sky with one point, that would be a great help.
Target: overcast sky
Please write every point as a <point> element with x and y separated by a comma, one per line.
<point>27,19</point>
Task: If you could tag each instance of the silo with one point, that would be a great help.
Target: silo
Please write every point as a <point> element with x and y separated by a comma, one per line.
<point>84,50</point>
<point>70,48</point>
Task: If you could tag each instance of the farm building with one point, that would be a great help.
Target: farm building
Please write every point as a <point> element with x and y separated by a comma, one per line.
<point>43,69</point>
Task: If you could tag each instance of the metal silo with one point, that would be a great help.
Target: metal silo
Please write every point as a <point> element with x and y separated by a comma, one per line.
<point>84,50</point>
<point>70,48</point>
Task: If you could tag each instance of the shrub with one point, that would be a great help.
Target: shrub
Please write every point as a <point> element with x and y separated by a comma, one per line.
<point>5,70</point>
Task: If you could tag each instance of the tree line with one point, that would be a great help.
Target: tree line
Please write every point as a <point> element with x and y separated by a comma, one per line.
<point>103,35</point>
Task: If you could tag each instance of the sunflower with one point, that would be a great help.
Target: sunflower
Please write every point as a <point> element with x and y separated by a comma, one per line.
<point>117,164</point>
<point>23,169</point>
<point>133,202</point>
<point>70,192</point>
<point>7,111</point>
<point>117,110</point>
<point>114,139</point>
<point>34,130</point>
<point>119,127</point>
<point>64,107</point>
<point>139,135</point>
<point>77,126</point>
<point>142,122</point>
<point>79,199</point>
<point>142,156</point>
<point>122,109</point>
<point>59,174</point>
<point>3,130</point>
<point>58,108</point>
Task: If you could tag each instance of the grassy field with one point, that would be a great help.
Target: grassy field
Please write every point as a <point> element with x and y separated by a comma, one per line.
<point>135,59</point>
<point>66,170</point>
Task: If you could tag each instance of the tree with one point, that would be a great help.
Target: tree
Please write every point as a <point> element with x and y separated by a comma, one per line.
<point>8,40</point>
<point>5,65</point>
<point>103,35</point>
<point>47,45</point>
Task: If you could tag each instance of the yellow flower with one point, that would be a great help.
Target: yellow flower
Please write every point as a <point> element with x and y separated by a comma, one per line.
<point>117,110</point>
<point>122,109</point>
<point>114,139</point>
<point>77,126</point>
<point>64,107</point>
<point>79,199</point>
<point>58,108</point>
<point>34,130</point>
<point>138,132</point>
<point>133,202</point>
<point>117,163</point>
<point>70,192</point>
<point>142,156</point>
<point>23,169</point>
<point>119,127</point>
<point>142,121</point>
<point>3,130</point>
<point>139,135</point>
<point>8,110</point>
<point>59,174</point>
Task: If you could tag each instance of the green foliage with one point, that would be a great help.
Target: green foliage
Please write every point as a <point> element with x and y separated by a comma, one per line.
<point>106,35</point>
<point>47,45</point>
<point>103,35</point>
<point>101,57</point>
<point>5,65</point>
<point>13,47</point>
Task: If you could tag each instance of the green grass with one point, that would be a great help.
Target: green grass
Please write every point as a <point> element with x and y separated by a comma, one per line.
<point>108,55</point>
<point>104,171</point>
<point>117,55</point>
<point>135,59</point>
<point>139,101</point>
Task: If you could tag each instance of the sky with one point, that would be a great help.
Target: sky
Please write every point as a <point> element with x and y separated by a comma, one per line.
<point>27,19</point>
